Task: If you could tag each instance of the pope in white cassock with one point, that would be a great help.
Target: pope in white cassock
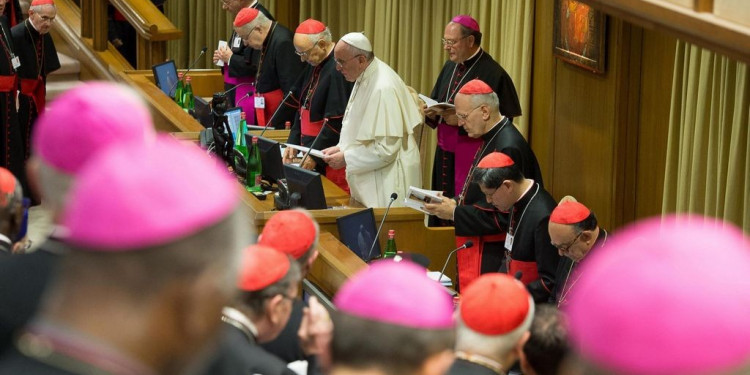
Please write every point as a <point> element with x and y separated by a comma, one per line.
<point>377,144</point>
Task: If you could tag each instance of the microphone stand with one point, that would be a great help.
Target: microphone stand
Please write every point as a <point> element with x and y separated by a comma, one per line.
<point>268,124</point>
<point>382,221</point>
<point>325,121</point>
<point>203,52</point>
<point>466,245</point>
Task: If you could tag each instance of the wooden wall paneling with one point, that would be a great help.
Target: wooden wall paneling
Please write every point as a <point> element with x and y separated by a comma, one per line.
<point>657,71</point>
<point>542,110</point>
<point>626,115</point>
<point>584,130</point>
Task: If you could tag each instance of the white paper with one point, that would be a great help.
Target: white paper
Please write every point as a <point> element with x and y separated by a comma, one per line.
<point>445,280</point>
<point>222,43</point>
<point>416,198</point>
<point>314,152</point>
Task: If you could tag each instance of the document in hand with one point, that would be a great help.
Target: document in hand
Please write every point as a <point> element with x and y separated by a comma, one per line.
<point>313,152</point>
<point>416,198</point>
<point>433,104</point>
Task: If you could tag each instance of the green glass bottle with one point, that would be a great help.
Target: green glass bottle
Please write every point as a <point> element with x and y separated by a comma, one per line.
<point>239,142</point>
<point>390,246</point>
<point>188,103</point>
<point>179,91</point>
<point>254,168</point>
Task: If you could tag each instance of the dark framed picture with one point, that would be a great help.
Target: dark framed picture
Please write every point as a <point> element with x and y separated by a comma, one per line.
<point>579,35</point>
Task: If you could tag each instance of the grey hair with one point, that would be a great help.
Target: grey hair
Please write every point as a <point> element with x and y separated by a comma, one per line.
<point>369,55</point>
<point>491,100</point>
<point>260,20</point>
<point>470,340</point>
<point>13,200</point>
<point>323,35</point>
<point>37,8</point>
<point>54,185</point>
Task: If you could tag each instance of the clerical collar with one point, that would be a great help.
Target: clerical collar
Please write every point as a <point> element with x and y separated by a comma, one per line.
<point>369,71</point>
<point>33,27</point>
<point>495,129</point>
<point>240,321</point>
<point>472,57</point>
<point>5,239</point>
<point>522,201</point>
<point>481,360</point>
<point>65,349</point>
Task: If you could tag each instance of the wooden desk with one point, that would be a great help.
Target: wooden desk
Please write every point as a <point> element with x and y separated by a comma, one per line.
<point>411,233</point>
<point>335,264</point>
<point>280,136</point>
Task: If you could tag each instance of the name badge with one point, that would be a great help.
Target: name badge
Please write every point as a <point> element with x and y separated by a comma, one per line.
<point>260,102</point>
<point>16,62</point>
<point>509,242</point>
<point>236,42</point>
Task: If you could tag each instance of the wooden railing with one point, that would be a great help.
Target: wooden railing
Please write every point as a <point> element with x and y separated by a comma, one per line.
<point>152,27</point>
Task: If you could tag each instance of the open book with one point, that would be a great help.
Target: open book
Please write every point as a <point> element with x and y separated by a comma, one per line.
<point>433,104</point>
<point>416,198</point>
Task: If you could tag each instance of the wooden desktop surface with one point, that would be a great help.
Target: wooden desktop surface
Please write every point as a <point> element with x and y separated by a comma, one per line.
<point>335,264</point>
<point>411,233</point>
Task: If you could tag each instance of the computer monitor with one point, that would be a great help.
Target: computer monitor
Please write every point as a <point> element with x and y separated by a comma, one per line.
<point>234,115</point>
<point>270,157</point>
<point>165,76</point>
<point>307,185</point>
<point>357,231</point>
<point>202,112</point>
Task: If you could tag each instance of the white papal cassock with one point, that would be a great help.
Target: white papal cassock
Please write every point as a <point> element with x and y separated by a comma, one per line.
<point>377,137</point>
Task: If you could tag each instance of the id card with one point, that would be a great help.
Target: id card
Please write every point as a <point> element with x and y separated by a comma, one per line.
<point>16,62</point>
<point>260,102</point>
<point>236,42</point>
<point>509,242</point>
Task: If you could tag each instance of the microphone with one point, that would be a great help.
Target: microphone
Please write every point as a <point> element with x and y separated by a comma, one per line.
<point>518,275</point>
<point>203,52</point>
<point>237,86</point>
<point>466,245</point>
<point>268,123</point>
<point>237,104</point>
<point>325,121</point>
<point>382,221</point>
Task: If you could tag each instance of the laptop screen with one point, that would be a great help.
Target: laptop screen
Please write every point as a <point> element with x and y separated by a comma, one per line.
<point>165,75</point>
<point>234,115</point>
<point>357,231</point>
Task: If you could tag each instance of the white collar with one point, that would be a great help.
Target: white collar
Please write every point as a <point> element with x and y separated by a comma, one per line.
<point>241,318</point>
<point>472,56</point>
<point>5,239</point>
<point>254,3</point>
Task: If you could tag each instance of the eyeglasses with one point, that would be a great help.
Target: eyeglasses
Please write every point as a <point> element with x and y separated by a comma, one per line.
<point>341,63</point>
<point>463,117</point>
<point>46,19</point>
<point>564,248</point>
<point>305,53</point>
<point>451,42</point>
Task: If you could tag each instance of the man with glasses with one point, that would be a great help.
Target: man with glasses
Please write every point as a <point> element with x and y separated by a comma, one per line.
<point>478,115</point>
<point>37,57</point>
<point>321,95</point>
<point>239,62</point>
<point>268,284</point>
<point>524,210</point>
<point>574,231</point>
<point>278,66</point>
<point>377,144</point>
<point>467,61</point>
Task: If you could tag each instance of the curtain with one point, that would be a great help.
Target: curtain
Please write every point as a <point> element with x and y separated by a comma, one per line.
<point>708,164</point>
<point>405,34</point>
<point>203,23</point>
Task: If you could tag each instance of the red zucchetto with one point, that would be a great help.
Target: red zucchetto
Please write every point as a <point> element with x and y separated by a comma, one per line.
<point>495,160</point>
<point>42,2</point>
<point>475,87</point>
<point>496,304</point>
<point>311,27</point>
<point>245,16</point>
<point>569,213</point>
<point>261,267</point>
